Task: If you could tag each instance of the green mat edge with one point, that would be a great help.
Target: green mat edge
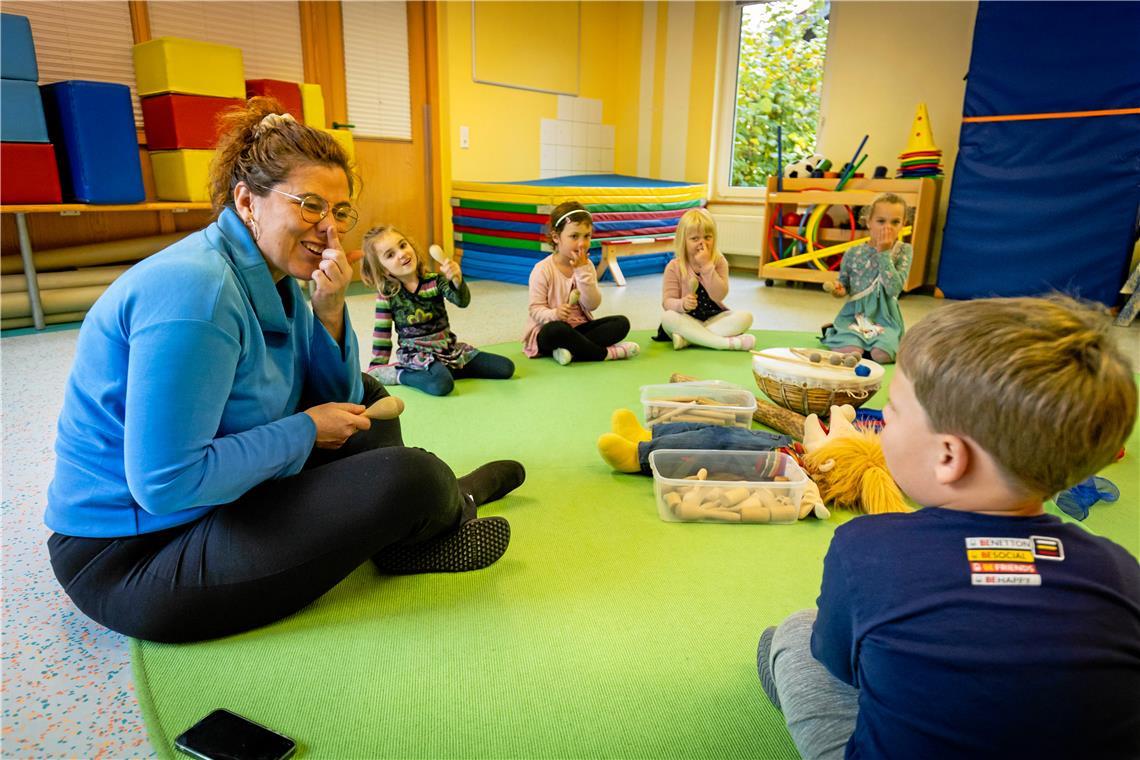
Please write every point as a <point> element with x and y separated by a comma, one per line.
<point>162,744</point>
<point>159,741</point>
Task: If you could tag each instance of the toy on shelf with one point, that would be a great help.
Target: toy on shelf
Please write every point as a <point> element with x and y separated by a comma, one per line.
<point>793,380</point>
<point>781,257</point>
<point>922,158</point>
<point>806,240</point>
<point>848,465</point>
<point>807,167</point>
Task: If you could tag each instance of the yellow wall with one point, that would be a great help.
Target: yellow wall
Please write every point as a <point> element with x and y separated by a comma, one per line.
<point>883,59</point>
<point>702,91</point>
<point>504,123</point>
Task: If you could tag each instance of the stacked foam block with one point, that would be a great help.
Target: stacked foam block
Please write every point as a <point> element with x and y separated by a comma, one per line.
<point>184,85</point>
<point>29,173</point>
<point>500,228</point>
<point>304,102</point>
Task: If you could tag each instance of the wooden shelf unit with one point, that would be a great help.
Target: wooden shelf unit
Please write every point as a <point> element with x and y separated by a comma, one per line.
<point>920,195</point>
<point>166,211</point>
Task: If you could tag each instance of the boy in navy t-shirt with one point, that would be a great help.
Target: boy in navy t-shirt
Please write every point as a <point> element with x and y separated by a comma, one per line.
<point>979,626</point>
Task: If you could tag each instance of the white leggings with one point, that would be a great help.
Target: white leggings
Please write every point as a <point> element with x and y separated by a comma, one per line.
<point>712,333</point>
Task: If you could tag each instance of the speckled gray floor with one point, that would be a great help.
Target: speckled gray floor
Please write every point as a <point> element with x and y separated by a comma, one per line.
<point>67,683</point>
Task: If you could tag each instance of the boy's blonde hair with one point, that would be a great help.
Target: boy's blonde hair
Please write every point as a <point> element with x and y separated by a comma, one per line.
<point>866,211</point>
<point>692,219</point>
<point>374,274</point>
<point>1037,382</point>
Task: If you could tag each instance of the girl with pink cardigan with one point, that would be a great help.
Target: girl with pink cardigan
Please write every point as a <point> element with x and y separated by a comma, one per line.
<point>563,295</point>
<point>694,288</point>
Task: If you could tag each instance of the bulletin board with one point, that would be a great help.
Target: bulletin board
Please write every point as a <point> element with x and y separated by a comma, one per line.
<point>530,46</point>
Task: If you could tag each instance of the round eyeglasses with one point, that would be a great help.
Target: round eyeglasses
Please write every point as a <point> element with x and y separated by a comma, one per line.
<point>314,208</point>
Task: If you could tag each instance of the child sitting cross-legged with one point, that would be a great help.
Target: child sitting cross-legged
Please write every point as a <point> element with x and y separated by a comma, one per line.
<point>411,298</point>
<point>978,626</point>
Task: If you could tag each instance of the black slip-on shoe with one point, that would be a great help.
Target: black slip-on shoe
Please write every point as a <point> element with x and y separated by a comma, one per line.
<point>473,545</point>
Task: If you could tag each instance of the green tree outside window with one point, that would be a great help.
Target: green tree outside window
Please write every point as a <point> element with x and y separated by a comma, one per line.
<point>782,49</point>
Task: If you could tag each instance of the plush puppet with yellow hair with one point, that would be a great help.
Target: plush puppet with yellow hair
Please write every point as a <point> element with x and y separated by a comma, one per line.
<point>848,465</point>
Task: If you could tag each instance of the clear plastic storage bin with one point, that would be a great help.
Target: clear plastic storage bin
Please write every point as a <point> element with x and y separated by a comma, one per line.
<point>727,486</point>
<point>715,402</point>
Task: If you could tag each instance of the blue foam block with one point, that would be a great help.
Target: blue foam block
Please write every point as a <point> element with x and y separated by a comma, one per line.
<point>17,50</point>
<point>93,128</point>
<point>21,112</point>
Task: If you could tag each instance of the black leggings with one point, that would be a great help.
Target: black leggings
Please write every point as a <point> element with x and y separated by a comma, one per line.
<point>271,552</point>
<point>587,342</point>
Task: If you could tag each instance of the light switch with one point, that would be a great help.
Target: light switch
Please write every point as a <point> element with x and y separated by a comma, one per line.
<point>464,137</point>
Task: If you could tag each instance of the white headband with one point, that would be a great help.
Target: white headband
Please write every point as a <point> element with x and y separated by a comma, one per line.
<point>562,218</point>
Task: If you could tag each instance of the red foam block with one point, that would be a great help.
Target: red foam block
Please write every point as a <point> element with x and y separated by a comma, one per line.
<point>29,173</point>
<point>287,93</point>
<point>173,121</point>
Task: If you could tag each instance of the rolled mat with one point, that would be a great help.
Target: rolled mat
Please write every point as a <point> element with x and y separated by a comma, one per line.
<point>113,252</point>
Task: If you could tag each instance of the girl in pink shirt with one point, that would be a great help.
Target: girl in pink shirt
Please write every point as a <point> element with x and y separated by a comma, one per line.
<point>563,295</point>
<point>694,289</point>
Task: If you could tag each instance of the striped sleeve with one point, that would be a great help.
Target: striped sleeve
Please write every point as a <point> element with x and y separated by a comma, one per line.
<point>381,333</point>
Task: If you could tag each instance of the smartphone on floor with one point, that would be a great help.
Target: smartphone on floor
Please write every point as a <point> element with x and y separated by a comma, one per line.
<point>223,735</point>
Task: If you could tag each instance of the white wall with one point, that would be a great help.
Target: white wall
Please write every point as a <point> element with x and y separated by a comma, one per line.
<point>883,59</point>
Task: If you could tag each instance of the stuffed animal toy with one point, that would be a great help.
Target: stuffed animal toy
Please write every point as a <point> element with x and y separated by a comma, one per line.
<point>619,448</point>
<point>848,465</point>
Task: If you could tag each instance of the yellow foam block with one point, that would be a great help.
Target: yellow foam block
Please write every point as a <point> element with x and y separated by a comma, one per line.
<point>181,175</point>
<point>344,137</point>
<point>173,64</point>
<point>313,102</point>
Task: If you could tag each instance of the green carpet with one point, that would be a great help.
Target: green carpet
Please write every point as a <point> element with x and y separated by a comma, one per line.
<point>603,632</point>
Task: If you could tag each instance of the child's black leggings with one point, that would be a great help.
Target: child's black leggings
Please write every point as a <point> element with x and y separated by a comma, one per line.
<point>269,553</point>
<point>587,342</point>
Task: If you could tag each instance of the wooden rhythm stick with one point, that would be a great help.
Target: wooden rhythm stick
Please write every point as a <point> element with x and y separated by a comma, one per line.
<point>802,362</point>
<point>776,417</point>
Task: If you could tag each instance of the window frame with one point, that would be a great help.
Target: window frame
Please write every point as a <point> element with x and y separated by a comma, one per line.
<point>725,125</point>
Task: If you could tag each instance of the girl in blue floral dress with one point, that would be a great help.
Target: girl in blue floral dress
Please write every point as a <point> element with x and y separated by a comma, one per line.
<point>413,301</point>
<point>871,277</point>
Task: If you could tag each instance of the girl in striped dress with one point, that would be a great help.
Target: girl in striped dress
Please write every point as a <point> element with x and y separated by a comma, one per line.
<point>411,298</point>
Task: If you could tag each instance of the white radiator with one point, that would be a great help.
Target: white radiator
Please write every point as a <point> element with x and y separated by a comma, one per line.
<point>739,229</point>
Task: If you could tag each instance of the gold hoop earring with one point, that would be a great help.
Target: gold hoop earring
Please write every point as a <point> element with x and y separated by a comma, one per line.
<point>253,228</point>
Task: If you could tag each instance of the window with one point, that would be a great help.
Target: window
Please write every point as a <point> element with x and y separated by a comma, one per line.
<point>268,33</point>
<point>376,77</point>
<point>80,40</point>
<point>773,76</point>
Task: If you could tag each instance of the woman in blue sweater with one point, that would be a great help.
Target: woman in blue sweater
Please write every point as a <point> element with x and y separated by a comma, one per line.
<point>214,471</point>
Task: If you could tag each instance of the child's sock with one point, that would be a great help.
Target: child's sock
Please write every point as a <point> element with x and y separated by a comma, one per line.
<point>619,453</point>
<point>387,374</point>
<point>745,342</point>
<point>764,666</point>
<point>624,423</point>
<point>627,349</point>
<point>562,356</point>
<point>679,341</point>
<point>881,356</point>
